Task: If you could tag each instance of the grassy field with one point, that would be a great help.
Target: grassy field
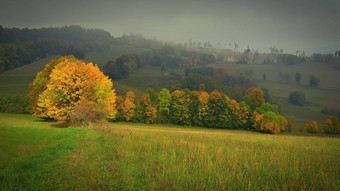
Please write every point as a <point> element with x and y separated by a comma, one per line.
<point>38,155</point>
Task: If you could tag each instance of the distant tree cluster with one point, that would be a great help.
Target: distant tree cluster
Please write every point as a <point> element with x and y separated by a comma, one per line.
<point>165,56</point>
<point>288,59</point>
<point>331,59</point>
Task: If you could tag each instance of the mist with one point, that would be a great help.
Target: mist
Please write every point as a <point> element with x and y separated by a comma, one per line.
<point>292,25</point>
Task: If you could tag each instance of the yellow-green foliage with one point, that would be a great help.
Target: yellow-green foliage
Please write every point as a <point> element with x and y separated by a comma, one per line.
<point>41,80</point>
<point>179,108</point>
<point>72,82</point>
<point>147,113</point>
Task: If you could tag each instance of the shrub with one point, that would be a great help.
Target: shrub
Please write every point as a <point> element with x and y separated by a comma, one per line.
<point>87,114</point>
<point>297,98</point>
<point>312,127</point>
<point>14,104</point>
<point>301,128</point>
<point>314,80</point>
<point>289,126</point>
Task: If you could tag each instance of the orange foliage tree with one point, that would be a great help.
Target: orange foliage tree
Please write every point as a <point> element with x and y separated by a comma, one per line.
<point>312,127</point>
<point>71,83</point>
<point>203,107</point>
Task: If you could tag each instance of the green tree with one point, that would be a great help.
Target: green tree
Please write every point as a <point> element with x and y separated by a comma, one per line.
<point>297,77</point>
<point>297,98</point>
<point>314,80</point>
<point>164,98</point>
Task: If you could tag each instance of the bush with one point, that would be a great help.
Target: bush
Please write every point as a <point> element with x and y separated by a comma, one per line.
<point>87,114</point>
<point>301,128</point>
<point>297,98</point>
<point>314,80</point>
<point>312,127</point>
<point>14,104</point>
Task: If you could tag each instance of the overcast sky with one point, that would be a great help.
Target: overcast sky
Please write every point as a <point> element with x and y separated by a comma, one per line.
<point>310,25</point>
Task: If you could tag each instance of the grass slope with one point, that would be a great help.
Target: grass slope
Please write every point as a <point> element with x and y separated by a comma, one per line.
<point>36,155</point>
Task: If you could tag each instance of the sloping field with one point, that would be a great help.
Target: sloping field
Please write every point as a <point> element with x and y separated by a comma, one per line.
<point>38,155</point>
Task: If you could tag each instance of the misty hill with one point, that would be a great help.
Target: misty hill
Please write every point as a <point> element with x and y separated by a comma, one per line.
<point>73,33</point>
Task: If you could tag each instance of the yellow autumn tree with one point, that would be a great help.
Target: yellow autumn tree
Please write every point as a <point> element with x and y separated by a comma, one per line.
<point>40,82</point>
<point>129,106</point>
<point>73,82</point>
<point>254,97</point>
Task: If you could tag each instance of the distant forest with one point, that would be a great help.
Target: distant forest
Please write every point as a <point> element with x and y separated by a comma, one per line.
<point>23,46</point>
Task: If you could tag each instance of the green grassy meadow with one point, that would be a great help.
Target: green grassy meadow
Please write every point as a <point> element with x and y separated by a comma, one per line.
<point>39,155</point>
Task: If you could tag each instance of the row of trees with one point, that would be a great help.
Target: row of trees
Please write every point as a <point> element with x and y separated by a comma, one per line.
<point>73,90</point>
<point>200,108</point>
<point>67,86</point>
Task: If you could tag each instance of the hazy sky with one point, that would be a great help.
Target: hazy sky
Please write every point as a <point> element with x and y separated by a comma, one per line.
<point>311,25</point>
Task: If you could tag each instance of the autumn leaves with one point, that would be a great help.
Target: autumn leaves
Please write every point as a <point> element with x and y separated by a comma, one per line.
<point>68,87</point>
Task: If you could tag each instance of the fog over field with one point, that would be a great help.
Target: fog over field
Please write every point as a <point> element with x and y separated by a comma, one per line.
<point>292,25</point>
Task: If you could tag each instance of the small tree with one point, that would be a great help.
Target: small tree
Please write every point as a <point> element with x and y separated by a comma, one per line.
<point>129,106</point>
<point>297,77</point>
<point>332,125</point>
<point>297,98</point>
<point>301,128</point>
<point>314,80</point>
<point>312,127</point>
<point>289,126</point>
<point>254,98</point>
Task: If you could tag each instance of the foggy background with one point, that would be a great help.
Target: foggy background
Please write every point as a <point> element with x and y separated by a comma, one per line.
<point>309,25</point>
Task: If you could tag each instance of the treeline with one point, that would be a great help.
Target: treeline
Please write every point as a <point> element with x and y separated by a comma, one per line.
<point>331,59</point>
<point>12,56</point>
<point>73,33</point>
<point>200,108</point>
<point>137,40</point>
<point>24,46</point>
